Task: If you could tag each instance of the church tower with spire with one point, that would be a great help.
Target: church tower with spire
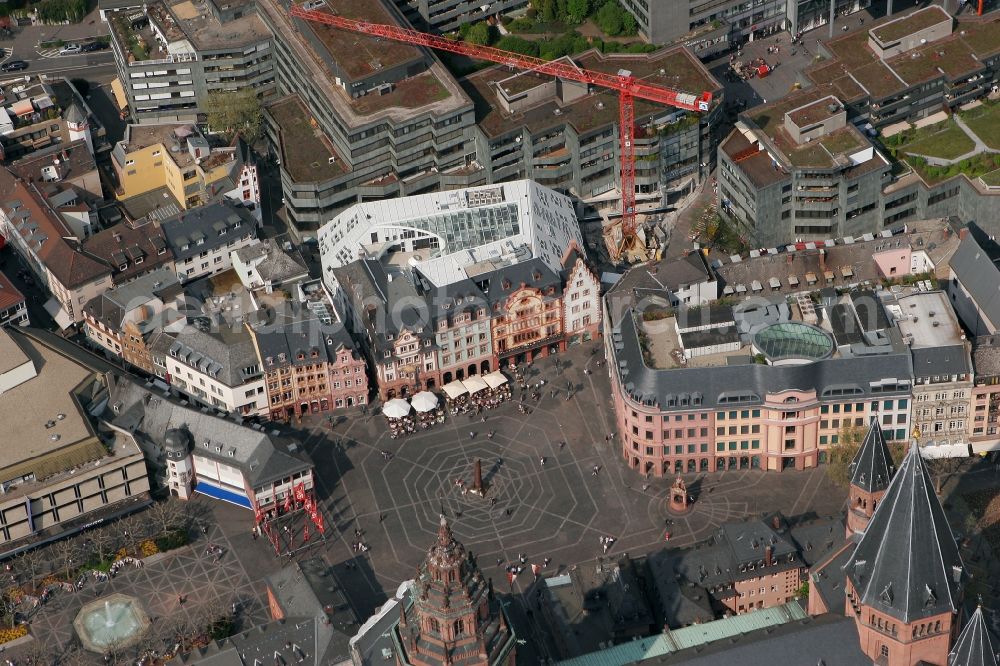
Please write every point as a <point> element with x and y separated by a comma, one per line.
<point>454,618</point>
<point>871,471</point>
<point>974,646</point>
<point>904,578</point>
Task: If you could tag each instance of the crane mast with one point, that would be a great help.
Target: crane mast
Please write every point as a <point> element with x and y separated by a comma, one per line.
<point>628,87</point>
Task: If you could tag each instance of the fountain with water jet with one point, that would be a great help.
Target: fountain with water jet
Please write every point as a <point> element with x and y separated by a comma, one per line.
<point>116,620</point>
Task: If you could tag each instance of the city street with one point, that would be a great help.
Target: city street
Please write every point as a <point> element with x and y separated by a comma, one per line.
<point>24,45</point>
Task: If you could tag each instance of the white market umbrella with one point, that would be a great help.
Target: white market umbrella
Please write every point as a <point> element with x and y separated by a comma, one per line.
<point>475,384</point>
<point>424,401</point>
<point>396,408</point>
<point>495,379</point>
<point>455,389</point>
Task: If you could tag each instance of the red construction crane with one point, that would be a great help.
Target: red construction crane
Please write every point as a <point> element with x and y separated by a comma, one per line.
<point>628,88</point>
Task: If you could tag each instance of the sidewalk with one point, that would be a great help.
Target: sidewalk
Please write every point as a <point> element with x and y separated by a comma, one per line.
<point>91,26</point>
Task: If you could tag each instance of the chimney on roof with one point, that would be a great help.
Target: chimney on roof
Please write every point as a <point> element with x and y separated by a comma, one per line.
<point>776,522</point>
<point>769,556</point>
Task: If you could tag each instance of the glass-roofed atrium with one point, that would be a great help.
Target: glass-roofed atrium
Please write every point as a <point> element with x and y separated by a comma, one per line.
<point>792,340</point>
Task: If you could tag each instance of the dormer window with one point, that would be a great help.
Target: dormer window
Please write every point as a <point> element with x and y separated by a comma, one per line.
<point>162,250</point>
<point>201,241</point>
<point>300,356</point>
<point>269,360</point>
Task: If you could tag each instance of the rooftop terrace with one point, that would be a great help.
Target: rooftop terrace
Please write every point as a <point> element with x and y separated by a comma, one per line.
<point>184,26</point>
<point>830,151</point>
<point>898,28</point>
<point>313,52</point>
<point>855,71</point>
<point>673,68</point>
<point>360,55</point>
<point>306,151</point>
<point>139,137</point>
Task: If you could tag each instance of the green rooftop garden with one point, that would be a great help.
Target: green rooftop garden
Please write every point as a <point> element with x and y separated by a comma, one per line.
<point>984,120</point>
<point>973,167</point>
<point>992,179</point>
<point>944,140</point>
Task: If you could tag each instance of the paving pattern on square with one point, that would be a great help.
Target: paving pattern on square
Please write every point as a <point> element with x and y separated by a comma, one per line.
<point>558,510</point>
<point>189,572</point>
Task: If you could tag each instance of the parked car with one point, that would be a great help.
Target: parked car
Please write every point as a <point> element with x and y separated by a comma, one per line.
<point>69,49</point>
<point>93,46</point>
<point>14,66</point>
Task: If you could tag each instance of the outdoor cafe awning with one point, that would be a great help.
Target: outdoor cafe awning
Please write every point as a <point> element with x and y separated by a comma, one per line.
<point>475,384</point>
<point>495,379</point>
<point>118,92</point>
<point>454,389</point>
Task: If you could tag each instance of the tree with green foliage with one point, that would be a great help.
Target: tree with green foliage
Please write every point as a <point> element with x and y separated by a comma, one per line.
<point>237,112</point>
<point>577,10</point>
<point>629,25</point>
<point>57,11</point>
<point>609,19</point>
<point>518,45</point>
<point>479,33</point>
<point>548,10</point>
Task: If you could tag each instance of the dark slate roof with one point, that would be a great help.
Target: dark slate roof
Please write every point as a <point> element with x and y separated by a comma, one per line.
<point>979,275</point>
<point>278,642</point>
<point>907,563</point>
<point>833,378</point>
<point>307,589</point>
<point>686,579</point>
<point>281,346</point>
<point>827,578</point>
<point>260,456</point>
<point>217,224</point>
<point>386,303</point>
<point>121,245</point>
<point>947,360</point>
<point>974,646</point>
<point>224,353</point>
<point>872,467</point>
<point>683,272</point>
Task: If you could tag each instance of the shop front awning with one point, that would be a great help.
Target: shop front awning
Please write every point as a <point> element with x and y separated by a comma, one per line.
<point>933,451</point>
<point>56,311</point>
<point>495,379</point>
<point>982,448</point>
<point>218,493</point>
<point>118,92</point>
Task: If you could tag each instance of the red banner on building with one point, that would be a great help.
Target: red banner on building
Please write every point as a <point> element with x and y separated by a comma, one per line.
<point>317,519</point>
<point>300,493</point>
<point>305,532</point>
